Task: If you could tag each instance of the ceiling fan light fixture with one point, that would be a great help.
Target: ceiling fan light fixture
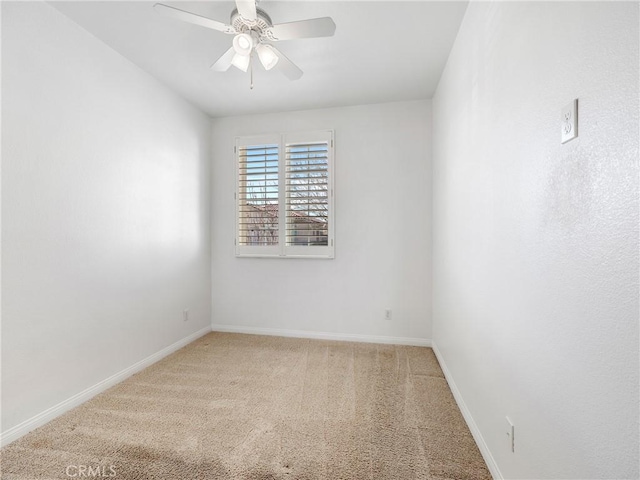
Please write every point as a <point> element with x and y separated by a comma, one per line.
<point>243,44</point>
<point>241,62</point>
<point>250,26</point>
<point>267,56</point>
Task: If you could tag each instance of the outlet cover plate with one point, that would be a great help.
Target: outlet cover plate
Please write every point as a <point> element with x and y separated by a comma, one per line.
<point>569,121</point>
<point>511,432</point>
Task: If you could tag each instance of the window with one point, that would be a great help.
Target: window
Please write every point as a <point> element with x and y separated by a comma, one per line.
<point>284,195</point>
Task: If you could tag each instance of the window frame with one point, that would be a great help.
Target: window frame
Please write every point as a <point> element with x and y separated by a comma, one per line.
<point>282,250</point>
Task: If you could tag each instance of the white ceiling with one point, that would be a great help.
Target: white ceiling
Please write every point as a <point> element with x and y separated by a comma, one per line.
<point>382,51</point>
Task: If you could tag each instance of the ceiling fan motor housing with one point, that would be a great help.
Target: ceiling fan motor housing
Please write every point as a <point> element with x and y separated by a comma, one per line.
<point>261,25</point>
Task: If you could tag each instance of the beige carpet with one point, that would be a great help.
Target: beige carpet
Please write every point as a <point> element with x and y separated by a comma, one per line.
<point>232,406</point>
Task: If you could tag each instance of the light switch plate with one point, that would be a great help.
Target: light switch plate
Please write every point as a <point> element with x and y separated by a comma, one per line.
<point>569,121</point>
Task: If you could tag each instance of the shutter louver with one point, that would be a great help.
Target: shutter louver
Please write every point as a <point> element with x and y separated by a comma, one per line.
<point>307,193</point>
<point>257,201</point>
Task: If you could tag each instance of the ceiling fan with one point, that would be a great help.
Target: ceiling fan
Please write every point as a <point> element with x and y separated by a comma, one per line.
<point>252,29</point>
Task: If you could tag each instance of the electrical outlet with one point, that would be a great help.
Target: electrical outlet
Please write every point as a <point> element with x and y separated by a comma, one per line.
<point>185,315</point>
<point>569,121</point>
<point>511,434</point>
<point>387,314</point>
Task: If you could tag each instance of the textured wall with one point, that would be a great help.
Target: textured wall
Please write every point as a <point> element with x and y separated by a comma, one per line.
<point>535,247</point>
<point>105,212</point>
<point>382,191</point>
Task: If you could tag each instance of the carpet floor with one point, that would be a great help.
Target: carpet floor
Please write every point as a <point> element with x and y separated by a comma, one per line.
<point>247,407</point>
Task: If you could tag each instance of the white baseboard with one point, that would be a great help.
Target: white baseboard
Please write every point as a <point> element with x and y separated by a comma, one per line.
<point>49,414</point>
<point>345,337</point>
<point>471,423</point>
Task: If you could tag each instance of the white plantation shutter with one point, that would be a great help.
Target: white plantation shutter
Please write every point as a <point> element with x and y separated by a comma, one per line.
<point>257,195</point>
<point>308,193</point>
<point>285,195</point>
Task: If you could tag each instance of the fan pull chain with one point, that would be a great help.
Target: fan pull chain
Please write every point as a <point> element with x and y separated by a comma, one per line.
<point>251,70</point>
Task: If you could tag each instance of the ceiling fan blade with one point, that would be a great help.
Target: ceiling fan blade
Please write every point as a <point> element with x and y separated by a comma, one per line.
<point>189,17</point>
<point>224,62</point>
<point>247,8</point>
<point>315,27</point>
<point>286,66</point>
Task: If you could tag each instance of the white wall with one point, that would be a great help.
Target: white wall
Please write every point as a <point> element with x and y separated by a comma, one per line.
<point>105,212</point>
<point>382,191</point>
<point>535,247</point>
